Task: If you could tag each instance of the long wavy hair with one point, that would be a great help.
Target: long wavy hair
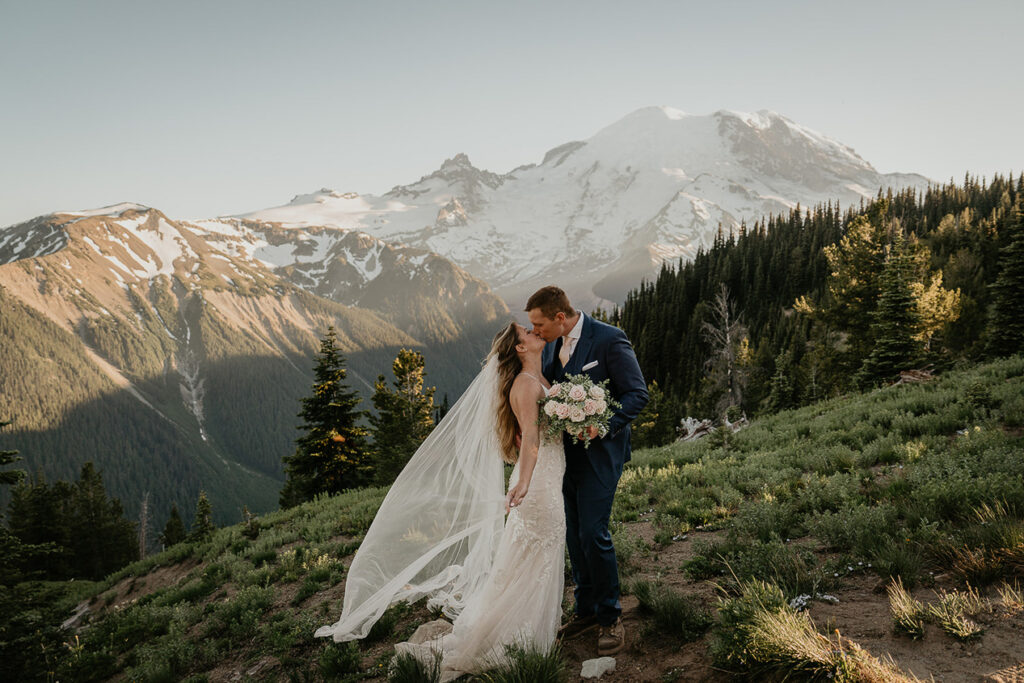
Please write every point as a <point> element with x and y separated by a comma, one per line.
<point>509,365</point>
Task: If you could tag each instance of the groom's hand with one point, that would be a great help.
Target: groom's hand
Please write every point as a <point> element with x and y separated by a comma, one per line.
<point>593,432</point>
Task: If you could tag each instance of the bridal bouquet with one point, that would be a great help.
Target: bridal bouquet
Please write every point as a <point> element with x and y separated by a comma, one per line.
<point>574,405</point>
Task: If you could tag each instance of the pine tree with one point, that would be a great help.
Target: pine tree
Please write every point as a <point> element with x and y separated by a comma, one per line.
<point>12,550</point>
<point>853,283</point>
<point>895,322</point>
<point>1006,316</point>
<point>936,307</point>
<point>331,455</point>
<point>442,410</point>
<point>174,530</point>
<point>10,477</point>
<point>202,525</point>
<point>656,423</point>
<point>783,388</point>
<point>404,415</point>
<point>39,515</point>
<point>100,537</point>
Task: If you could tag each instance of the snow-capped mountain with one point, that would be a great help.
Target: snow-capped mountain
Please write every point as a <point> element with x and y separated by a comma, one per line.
<point>599,214</point>
<point>175,353</point>
<point>424,294</point>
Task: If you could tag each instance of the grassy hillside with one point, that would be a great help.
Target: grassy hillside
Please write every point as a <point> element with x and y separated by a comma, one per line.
<point>774,550</point>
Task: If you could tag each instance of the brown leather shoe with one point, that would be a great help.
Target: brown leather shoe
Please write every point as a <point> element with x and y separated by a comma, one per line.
<point>611,639</point>
<point>577,625</point>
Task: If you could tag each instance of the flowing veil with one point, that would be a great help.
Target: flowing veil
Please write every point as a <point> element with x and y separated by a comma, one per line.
<point>438,528</point>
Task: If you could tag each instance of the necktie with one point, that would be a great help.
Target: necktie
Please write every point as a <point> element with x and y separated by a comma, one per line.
<point>566,351</point>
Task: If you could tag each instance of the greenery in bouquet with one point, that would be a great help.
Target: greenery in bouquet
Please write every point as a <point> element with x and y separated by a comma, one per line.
<point>574,405</point>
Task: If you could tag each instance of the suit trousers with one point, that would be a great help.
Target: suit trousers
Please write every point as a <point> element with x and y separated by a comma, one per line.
<point>588,506</point>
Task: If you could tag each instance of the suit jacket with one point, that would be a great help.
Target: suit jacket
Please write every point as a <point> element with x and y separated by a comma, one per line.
<point>617,363</point>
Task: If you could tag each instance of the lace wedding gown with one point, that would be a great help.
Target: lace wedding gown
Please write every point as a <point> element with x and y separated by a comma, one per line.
<point>521,601</point>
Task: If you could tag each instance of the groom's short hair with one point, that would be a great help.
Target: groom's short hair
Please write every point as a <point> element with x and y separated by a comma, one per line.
<point>551,301</point>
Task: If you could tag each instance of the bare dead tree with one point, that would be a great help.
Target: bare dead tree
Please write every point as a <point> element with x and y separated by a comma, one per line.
<point>725,333</point>
<point>143,524</point>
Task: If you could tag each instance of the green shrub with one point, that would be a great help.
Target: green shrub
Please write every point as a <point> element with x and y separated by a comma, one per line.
<point>385,626</point>
<point>860,528</point>
<point>405,668</point>
<point>339,660</point>
<point>766,520</point>
<point>527,664</point>
<point>629,548</point>
<point>735,614</point>
<point>240,616</point>
<point>674,614</point>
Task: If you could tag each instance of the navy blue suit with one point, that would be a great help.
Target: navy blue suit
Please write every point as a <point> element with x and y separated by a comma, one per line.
<point>592,473</point>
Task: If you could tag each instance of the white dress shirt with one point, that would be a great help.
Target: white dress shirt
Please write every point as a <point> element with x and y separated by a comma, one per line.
<point>570,340</point>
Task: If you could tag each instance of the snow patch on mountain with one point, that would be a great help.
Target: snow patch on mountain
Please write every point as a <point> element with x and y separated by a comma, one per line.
<point>655,185</point>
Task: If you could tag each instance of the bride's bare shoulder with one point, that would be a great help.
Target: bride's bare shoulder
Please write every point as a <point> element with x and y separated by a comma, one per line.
<point>526,386</point>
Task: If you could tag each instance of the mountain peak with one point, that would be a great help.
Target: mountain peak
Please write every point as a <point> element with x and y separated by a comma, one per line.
<point>457,163</point>
<point>112,210</point>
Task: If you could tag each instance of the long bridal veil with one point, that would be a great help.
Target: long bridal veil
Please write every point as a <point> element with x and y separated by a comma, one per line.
<point>438,528</point>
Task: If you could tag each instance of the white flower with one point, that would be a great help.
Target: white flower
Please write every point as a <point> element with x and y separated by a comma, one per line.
<point>590,406</point>
<point>577,392</point>
<point>576,414</point>
<point>561,410</point>
<point>549,408</point>
<point>601,405</point>
<point>596,392</point>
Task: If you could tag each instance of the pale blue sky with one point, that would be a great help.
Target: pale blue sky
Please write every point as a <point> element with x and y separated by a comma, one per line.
<point>219,107</point>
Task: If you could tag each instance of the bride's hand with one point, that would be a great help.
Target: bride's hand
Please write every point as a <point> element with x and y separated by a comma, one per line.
<point>515,496</point>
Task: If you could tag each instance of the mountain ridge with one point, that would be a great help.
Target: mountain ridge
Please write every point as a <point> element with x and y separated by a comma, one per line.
<point>653,186</point>
<point>200,348</point>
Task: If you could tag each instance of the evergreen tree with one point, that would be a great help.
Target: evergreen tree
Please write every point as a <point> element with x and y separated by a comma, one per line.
<point>75,530</point>
<point>853,284</point>
<point>38,516</point>
<point>656,423</point>
<point>404,415</point>
<point>895,322</point>
<point>936,307</point>
<point>100,538</point>
<point>442,410</point>
<point>783,388</point>
<point>10,477</point>
<point>1006,317</point>
<point>12,550</point>
<point>331,455</point>
<point>202,525</point>
<point>174,530</point>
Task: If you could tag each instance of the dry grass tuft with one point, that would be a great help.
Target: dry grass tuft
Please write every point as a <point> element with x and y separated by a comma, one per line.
<point>907,613</point>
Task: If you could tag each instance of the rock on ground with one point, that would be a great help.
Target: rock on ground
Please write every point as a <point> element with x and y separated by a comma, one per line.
<point>595,668</point>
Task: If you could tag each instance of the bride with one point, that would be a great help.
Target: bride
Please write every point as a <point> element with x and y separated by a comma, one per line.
<point>441,531</point>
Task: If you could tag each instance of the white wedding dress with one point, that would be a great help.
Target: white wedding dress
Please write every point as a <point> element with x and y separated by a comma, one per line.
<point>441,532</point>
<point>521,601</point>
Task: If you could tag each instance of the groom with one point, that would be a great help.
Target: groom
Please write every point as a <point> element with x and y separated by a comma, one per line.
<point>578,344</point>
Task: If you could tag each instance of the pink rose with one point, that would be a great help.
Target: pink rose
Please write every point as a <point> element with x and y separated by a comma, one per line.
<point>596,392</point>
<point>601,405</point>
<point>590,407</point>
<point>561,410</point>
<point>549,408</point>
<point>577,392</point>
<point>576,414</point>
<point>555,388</point>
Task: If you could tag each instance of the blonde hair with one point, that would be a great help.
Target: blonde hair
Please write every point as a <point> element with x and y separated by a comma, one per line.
<point>509,366</point>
